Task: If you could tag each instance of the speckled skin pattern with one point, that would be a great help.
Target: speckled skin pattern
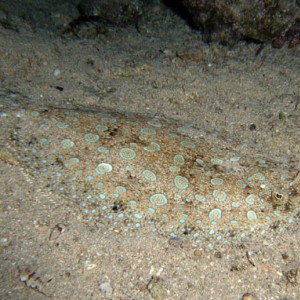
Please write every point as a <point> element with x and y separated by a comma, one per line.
<point>141,171</point>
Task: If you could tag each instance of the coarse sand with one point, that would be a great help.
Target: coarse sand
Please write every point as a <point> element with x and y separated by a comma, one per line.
<point>48,251</point>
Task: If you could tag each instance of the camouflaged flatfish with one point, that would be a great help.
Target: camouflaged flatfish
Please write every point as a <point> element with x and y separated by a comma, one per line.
<point>140,171</point>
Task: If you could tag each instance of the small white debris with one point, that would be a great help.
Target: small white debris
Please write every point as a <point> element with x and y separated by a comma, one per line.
<point>56,72</point>
<point>106,289</point>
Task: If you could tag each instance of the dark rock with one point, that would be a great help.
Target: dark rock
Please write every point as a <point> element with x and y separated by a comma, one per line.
<point>229,21</point>
<point>50,15</point>
<point>112,12</point>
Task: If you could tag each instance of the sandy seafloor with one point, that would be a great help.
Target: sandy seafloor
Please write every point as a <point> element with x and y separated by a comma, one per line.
<point>253,99</point>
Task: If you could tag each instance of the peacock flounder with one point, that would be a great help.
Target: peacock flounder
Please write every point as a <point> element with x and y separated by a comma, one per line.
<point>140,171</point>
